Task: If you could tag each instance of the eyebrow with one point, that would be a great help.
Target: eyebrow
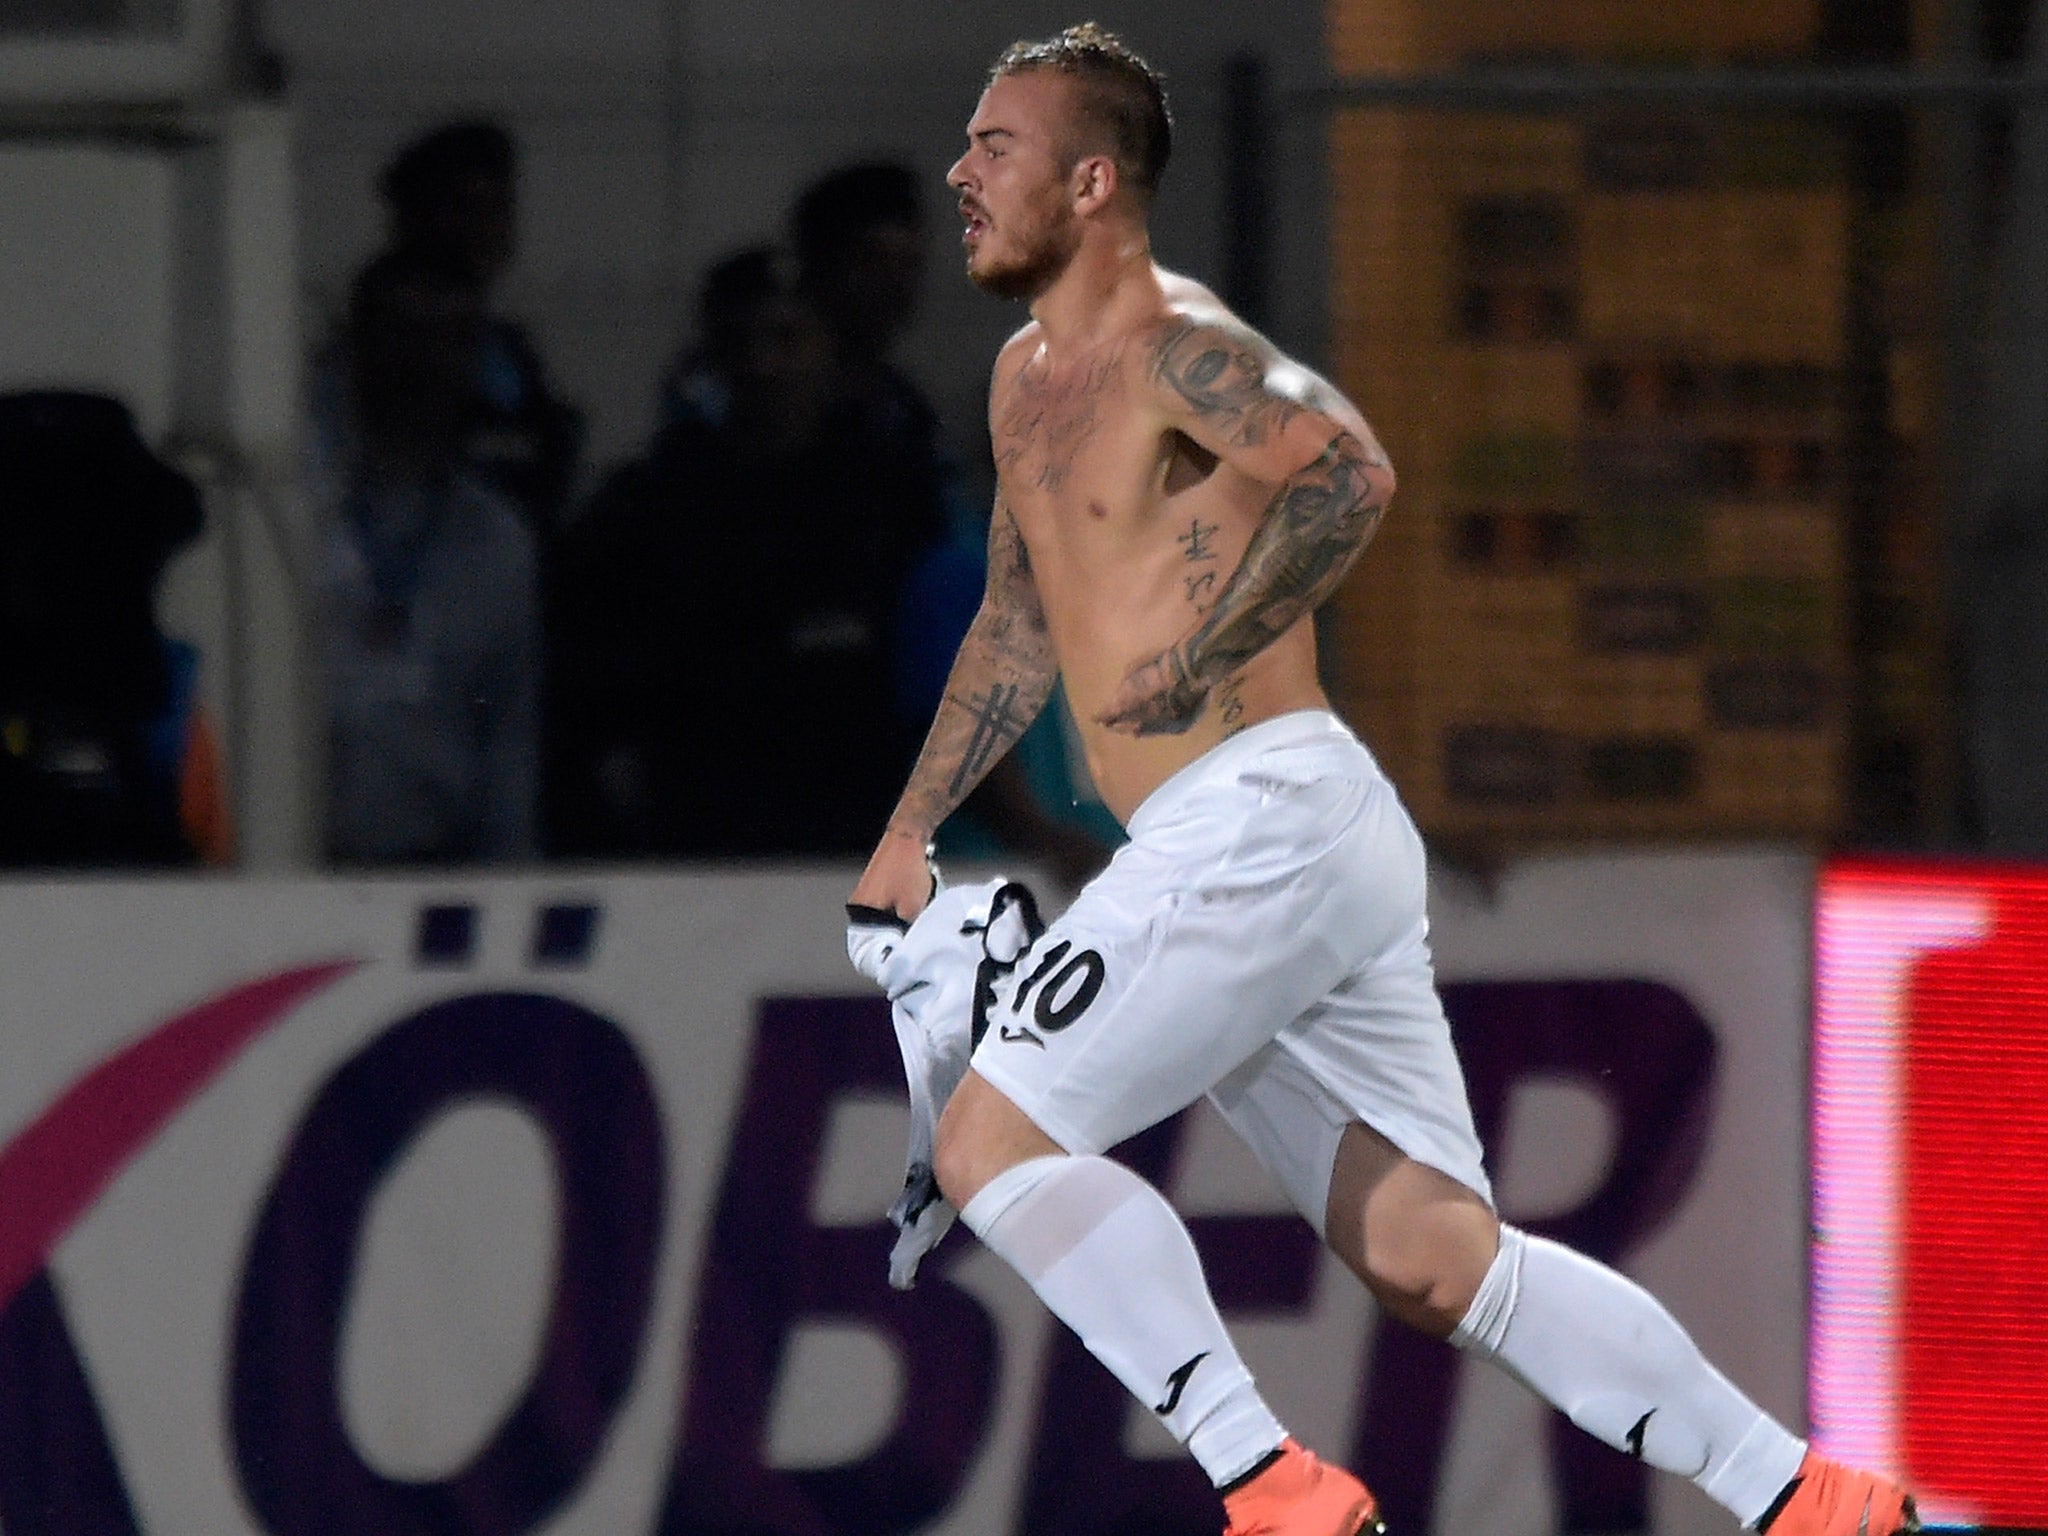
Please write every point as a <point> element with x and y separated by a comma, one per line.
<point>983,135</point>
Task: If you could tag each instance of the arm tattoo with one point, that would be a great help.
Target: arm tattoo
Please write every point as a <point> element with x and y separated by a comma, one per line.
<point>996,725</point>
<point>1313,530</point>
<point>1221,375</point>
<point>1001,678</point>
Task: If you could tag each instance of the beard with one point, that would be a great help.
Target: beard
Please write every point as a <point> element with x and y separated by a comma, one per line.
<point>1043,253</point>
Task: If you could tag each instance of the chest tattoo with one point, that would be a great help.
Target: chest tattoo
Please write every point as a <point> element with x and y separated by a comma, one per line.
<point>1047,419</point>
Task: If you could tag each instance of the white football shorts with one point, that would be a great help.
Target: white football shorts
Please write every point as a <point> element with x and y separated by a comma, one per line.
<point>1262,939</point>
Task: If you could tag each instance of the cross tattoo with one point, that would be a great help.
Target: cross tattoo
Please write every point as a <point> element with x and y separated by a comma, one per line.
<point>995,722</point>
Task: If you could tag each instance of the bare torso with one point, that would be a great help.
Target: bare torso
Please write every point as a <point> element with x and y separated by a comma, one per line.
<point>1132,531</point>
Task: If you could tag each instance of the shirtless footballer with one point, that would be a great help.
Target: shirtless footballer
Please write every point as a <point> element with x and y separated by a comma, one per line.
<point>1174,499</point>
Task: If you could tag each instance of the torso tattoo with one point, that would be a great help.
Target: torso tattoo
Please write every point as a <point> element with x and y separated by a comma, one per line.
<point>1198,547</point>
<point>1048,418</point>
<point>1152,564</point>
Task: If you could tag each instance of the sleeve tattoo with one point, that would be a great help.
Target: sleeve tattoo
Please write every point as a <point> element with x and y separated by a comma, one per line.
<point>1313,529</point>
<point>1319,519</point>
<point>1001,678</point>
<point>1221,376</point>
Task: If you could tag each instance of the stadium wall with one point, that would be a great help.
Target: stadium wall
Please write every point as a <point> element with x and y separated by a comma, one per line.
<point>552,1204</point>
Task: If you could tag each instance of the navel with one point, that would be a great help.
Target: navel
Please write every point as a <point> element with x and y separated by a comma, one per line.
<point>1097,509</point>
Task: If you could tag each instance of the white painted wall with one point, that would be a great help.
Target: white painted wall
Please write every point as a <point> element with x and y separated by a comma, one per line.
<point>87,262</point>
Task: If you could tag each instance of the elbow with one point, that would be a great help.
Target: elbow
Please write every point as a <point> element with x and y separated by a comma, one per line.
<point>1366,468</point>
<point>1375,493</point>
<point>1380,484</point>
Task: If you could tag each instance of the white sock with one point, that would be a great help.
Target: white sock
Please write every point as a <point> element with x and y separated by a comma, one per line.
<point>1603,1351</point>
<point>1111,1259</point>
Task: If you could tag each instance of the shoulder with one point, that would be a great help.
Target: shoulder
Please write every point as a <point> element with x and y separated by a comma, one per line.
<point>1202,358</point>
<point>1197,335</point>
<point>1017,351</point>
<point>1185,297</point>
<point>1200,362</point>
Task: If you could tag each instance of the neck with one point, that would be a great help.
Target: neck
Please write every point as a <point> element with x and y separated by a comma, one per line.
<point>1099,293</point>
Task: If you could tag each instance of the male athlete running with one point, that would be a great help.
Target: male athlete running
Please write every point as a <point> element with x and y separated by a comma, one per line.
<point>1174,500</point>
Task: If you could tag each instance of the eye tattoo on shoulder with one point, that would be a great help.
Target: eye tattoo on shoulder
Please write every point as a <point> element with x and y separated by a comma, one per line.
<point>1221,375</point>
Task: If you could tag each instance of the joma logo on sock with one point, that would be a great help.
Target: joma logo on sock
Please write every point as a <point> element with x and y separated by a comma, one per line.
<point>1176,1384</point>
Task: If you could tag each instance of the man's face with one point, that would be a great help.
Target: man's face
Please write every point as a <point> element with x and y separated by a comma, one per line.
<point>1013,184</point>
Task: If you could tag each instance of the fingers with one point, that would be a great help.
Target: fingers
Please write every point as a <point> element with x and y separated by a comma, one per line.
<point>1160,697</point>
<point>896,887</point>
<point>1165,713</point>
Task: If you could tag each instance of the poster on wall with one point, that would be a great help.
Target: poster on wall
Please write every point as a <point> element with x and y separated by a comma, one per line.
<point>537,1204</point>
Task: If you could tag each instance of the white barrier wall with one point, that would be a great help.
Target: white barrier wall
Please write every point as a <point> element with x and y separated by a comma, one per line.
<point>88,266</point>
<point>552,1204</point>
<point>165,275</point>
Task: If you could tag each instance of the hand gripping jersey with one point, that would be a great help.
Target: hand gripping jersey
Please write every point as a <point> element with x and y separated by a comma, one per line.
<point>940,975</point>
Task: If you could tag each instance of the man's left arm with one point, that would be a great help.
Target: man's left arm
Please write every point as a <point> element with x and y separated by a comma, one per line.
<point>1227,390</point>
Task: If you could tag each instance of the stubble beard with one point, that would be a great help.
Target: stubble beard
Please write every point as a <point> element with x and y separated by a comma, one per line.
<point>1044,258</point>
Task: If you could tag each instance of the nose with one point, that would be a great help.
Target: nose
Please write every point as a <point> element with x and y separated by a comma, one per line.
<point>957,178</point>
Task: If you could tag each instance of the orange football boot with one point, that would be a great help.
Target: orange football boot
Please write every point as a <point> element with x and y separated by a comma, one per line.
<point>1829,1499</point>
<point>1301,1495</point>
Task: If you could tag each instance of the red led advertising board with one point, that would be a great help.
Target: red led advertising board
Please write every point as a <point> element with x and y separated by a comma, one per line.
<point>1929,1345</point>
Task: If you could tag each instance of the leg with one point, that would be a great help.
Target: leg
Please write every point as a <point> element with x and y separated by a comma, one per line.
<point>1586,1339</point>
<point>1112,1261</point>
<point>1421,1241</point>
<point>1407,1207</point>
<point>981,1135</point>
<point>1230,912</point>
<point>1110,1258</point>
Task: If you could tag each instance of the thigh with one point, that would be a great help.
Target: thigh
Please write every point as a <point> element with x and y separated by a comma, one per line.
<point>1185,957</point>
<point>1375,1049</point>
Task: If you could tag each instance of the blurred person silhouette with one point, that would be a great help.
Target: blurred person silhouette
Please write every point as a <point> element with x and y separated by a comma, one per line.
<point>732,599</point>
<point>699,383</point>
<point>106,756</point>
<point>859,236</point>
<point>427,604</point>
<point>453,193</point>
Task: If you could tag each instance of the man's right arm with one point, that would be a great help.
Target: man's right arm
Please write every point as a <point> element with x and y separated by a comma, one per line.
<point>1001,678</point>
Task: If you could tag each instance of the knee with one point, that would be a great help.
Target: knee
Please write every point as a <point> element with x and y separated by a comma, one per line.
<point>1421,1241</point>
<point>980,1134</point>
<point>955,1159</point>
<point>1427,1271</point>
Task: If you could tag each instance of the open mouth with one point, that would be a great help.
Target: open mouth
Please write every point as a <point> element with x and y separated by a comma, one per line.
<point>977,223</point>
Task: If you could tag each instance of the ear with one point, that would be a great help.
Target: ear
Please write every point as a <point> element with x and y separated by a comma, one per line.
<point>1093,183</point>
